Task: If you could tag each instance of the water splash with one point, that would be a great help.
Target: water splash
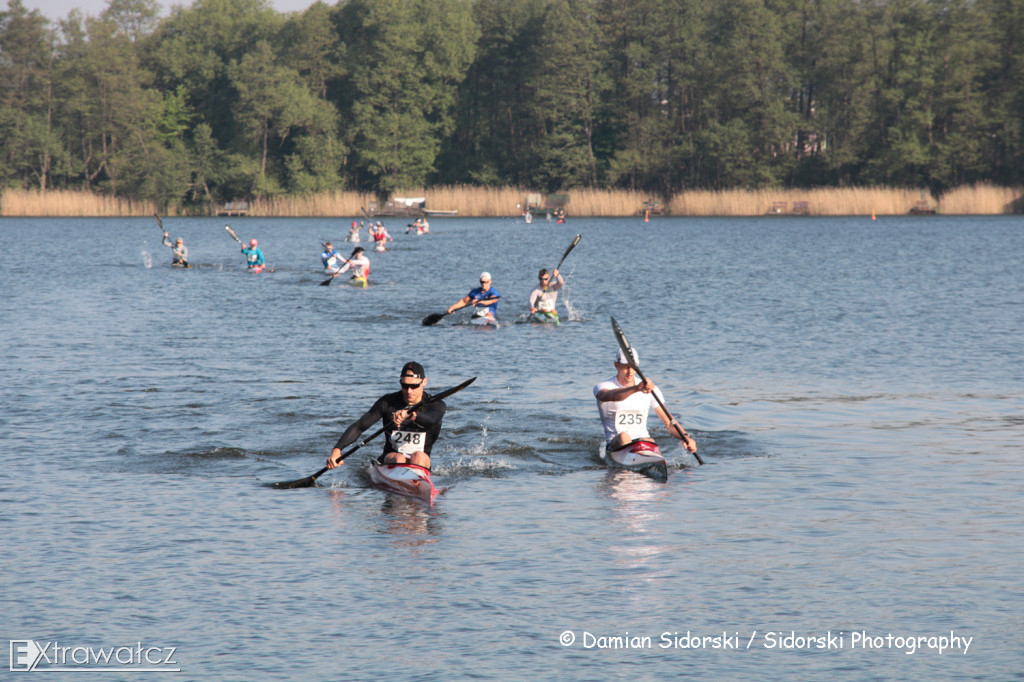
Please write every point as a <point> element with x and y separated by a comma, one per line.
<point>147,259</point>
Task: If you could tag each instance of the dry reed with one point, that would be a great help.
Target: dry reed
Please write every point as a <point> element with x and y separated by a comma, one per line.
<point>983,200</point>
<point>507,201</point>
<point>70,203</point>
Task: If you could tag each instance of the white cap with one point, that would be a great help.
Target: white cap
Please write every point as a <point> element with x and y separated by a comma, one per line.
<point>621,357</point>
<point>485,276</point>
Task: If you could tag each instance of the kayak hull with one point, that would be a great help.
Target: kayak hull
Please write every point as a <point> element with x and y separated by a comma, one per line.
<point>643,457</point>
<point>410,480</point>
<point>541,317</point>
<point>358,282</point>
<point>484,321</point>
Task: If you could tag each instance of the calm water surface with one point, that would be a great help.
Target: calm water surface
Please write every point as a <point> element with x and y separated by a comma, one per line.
<point>856,388</point>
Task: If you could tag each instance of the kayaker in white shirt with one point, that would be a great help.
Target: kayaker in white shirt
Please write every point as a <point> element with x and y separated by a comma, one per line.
<point>544,297</point>
<point>624,403</point>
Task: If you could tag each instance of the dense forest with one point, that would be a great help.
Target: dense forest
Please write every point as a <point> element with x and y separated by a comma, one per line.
<point>227,99</point>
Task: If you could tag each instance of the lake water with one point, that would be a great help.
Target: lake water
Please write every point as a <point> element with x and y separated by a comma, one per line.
<point>856,389</point>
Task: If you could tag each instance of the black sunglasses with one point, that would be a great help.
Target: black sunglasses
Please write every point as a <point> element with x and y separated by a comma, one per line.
<point>410,386</point>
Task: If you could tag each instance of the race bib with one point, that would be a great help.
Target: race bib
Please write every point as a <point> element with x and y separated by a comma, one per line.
<point>631,421</point>
<point>408,442</point>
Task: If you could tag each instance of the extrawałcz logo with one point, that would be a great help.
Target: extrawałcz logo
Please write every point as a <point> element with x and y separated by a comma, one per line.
<point>28,655</point>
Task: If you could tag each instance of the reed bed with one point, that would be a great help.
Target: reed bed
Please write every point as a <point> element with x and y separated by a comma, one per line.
<point>324,205</point>
<point>69,203</point>
<point>508,201</point>
<point>818,202</point>
<point>983,200</point>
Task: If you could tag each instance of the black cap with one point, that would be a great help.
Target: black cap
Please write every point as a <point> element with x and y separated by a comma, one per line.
<point>413,369</point>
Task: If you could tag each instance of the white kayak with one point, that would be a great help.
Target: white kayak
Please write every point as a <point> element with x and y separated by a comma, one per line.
<point>642,456</point>
<point>484,321</point>
<point>405,479</point>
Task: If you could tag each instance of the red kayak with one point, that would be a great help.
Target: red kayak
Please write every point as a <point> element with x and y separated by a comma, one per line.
<point>642,456</point>
<point>404,479</point>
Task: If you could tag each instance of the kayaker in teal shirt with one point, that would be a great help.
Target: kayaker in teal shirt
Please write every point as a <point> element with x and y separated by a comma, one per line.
<point>254,256</point>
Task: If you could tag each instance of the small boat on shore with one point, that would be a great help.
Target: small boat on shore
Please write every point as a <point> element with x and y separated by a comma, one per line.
<point>410,480</point>
<point>642,456</point>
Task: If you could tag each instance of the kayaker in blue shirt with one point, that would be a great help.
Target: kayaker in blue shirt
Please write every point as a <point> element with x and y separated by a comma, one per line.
<point>331,258</point>
<point>484,298</point>
<point>254,256</point>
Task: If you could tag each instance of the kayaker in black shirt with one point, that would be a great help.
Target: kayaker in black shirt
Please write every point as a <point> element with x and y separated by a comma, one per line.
<point>409,436</point>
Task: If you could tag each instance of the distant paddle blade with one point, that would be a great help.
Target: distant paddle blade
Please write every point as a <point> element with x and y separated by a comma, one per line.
<point>432,319</point>
<point>326,282</point>
<point>232,233</point>
<point>620,337</point>
<point>159,222</point>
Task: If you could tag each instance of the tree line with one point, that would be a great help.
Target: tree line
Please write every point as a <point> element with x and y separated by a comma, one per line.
<point>228,99</point>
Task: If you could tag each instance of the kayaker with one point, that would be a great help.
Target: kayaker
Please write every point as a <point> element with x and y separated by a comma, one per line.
<point>485,297</point>
<point>179,252</point>
<point>544,297</point>
<point>353,233</point>
<point>330,258</point>
<point>409,436</point>
<point>358,263</point>
<point>253,255</point>
<point>624,403</point>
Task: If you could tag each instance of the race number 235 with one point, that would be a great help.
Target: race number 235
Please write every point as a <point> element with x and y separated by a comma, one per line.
<point>630,418</point>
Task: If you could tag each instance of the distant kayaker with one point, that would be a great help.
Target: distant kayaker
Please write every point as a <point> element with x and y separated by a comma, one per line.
<point>331,259</point>
<point>358,263</point>
<point>484,298</point>
<point>179,252</point>
<point>544,297</point>
<point>353,233</point>
<point>408,436</point>
<point>254,256</point>
<point>624,403</point>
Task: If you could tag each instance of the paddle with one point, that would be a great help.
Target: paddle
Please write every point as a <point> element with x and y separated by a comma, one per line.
<point>571,247</point>
<point>310,481</point>
<point>627,351</point>
<point>233,235</point>
<point>432,319</point>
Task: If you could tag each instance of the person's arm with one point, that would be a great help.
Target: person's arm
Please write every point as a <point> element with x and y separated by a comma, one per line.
<point>558,283</point>
<point>614,395</point>
<point>534,295</point>
<point>353,432</point>
<point>167,240</point>
<point>675,429</point>
<point>461,303</point>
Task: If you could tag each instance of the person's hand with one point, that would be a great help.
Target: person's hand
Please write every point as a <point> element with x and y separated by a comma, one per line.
<point>646,386</point>
<point>335,459</point>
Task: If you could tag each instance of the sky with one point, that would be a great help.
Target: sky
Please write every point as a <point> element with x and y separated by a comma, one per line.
<point>59,9</point>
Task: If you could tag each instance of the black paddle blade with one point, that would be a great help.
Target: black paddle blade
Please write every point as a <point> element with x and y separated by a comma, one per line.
<point>432,319</point>
<point>620,337</point>
<point>158,221</point>
<point>326,282</point>
<point>307,482</point>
